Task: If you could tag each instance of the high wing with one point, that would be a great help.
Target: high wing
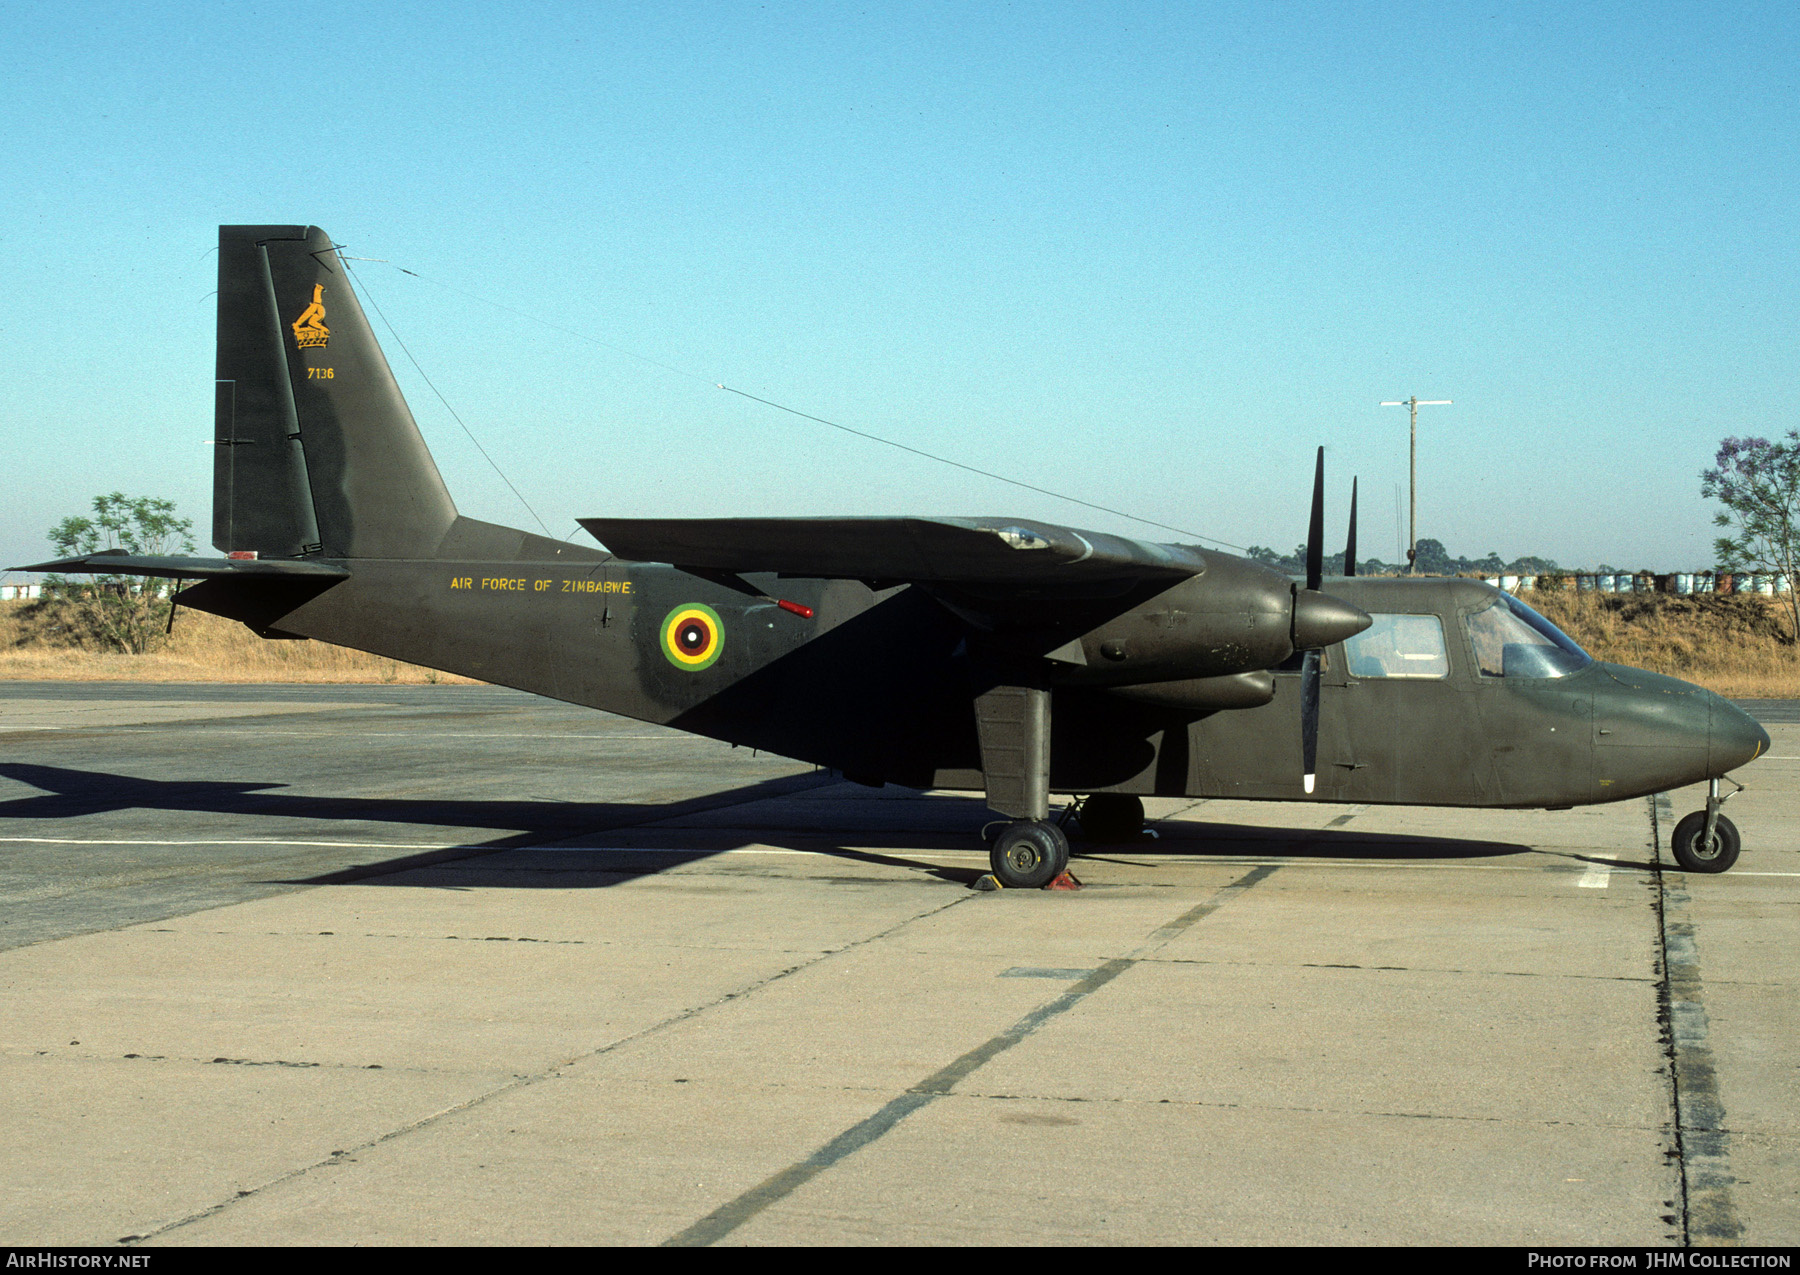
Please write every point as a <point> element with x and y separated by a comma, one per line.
<point>968,551</point>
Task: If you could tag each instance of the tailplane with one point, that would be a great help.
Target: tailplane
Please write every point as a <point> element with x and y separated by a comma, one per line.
<point>317,454</point>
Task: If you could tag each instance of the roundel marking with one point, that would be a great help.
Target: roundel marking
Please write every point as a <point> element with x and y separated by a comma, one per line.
<point>692,636</point>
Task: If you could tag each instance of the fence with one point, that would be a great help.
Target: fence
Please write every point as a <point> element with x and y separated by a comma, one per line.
<point>1649,582</point>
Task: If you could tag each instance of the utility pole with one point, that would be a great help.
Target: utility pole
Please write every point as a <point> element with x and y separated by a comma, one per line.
<point>1412,517</point>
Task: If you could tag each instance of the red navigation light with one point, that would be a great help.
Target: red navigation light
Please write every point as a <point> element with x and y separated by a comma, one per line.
<point>805,613</point>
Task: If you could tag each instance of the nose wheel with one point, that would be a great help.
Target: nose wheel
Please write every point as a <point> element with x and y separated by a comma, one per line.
<point>1695,852</point>
<point>1706,841</point>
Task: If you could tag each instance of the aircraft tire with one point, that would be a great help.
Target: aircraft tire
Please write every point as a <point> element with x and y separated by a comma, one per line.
<point>1693,857</point>
<point>1029,855</point>
<point>1112,816</point>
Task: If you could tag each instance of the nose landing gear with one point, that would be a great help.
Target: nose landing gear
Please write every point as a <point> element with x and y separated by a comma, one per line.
<point>1706,841</point>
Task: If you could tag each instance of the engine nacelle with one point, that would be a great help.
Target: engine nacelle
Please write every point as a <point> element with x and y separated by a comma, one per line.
<point>1237,617</point>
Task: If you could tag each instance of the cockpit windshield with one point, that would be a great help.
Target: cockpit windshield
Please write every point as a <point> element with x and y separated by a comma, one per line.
<point>1512,640</point>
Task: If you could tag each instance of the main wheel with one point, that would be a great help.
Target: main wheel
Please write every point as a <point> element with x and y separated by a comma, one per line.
<point>1029,855</point>
<point>1112,816</point>
<point>1693,854</point>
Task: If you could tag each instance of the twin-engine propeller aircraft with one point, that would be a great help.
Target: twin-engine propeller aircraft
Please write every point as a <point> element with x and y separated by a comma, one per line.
<point>998,655</point>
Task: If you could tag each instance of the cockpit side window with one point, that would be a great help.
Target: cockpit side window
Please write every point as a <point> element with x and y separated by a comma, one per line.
<point>1512,640</point>
<point>1399,646</point>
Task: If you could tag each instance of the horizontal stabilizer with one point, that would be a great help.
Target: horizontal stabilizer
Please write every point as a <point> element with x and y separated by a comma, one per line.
<point>116,562</point>
<point>994,551</point>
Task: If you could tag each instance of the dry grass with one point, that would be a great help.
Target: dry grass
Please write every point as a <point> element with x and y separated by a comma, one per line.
<point>203,648</point>
<point>1739,645</point>
<point>1735,645</point>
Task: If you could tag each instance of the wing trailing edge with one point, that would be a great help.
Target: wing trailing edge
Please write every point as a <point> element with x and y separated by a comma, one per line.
<point>975,551</point>
<point>116,562</point>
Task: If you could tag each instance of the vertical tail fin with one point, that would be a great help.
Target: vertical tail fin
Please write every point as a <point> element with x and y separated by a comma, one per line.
<point>316,451</point>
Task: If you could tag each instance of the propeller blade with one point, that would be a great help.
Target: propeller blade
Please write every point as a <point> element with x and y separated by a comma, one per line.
<point>1309,718</point>
<point>1315,533</point>
<point>1320,619</point>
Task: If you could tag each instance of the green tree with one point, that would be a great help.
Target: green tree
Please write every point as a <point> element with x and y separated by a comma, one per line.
<point>1435,560</point>
<point>118,613</point>
<point>1758,482</point>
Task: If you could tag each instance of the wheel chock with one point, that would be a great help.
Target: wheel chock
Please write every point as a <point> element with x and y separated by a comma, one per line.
<point>1065,880</point>
<point>987,881</point>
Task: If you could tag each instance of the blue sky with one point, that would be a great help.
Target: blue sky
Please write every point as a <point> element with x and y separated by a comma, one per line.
<point>1148,255</point>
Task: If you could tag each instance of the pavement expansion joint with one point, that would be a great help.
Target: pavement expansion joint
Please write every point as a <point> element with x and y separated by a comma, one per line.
<point>734,1213</point>
<point>1700,1145</point>
<point>552,1072</point>
<point>1205,1104</point>
<point>1558,975</point>
<point>189,1060</point>
<point>502,938</point>
<point>374,934</point>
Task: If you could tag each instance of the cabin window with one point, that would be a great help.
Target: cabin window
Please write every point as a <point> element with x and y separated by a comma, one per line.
<point>1512,640</point>
<point>1399,646</point>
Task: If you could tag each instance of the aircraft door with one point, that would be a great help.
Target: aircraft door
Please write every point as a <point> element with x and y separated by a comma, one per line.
<point>1537,723</point>
<point>1410,731</point>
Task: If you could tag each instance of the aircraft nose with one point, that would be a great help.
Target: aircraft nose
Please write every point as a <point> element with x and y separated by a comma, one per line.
<point>1734,739</point>
<point>1320,620</point>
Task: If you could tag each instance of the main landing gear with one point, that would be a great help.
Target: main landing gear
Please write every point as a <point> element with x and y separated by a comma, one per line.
<point>1012,720</point>
<point>1706,841</point>
<point>1029,854</point>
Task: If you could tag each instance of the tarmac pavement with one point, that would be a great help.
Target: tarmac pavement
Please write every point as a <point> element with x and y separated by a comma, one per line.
<point>448,964</point>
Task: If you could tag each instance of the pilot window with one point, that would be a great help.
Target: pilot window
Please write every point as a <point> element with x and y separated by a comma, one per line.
<point>1512,640</point>
<point>1399,646</point>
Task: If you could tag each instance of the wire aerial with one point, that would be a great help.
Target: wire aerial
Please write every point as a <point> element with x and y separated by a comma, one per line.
<point>793,411</point>
<point>364,288</point>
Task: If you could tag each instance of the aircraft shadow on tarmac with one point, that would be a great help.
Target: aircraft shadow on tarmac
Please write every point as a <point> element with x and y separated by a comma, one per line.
<point>915,850</point>
<point>72,794</point>
<point>625,846</point>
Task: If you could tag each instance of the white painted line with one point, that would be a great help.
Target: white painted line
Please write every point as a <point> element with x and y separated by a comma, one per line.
<point>388,734</point>
<point>147,728</point>
<point>952,856</point>
<point>1597,877</point>
<point>129,841</point>
<point>955,856</point>
<point>1194,860</point>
